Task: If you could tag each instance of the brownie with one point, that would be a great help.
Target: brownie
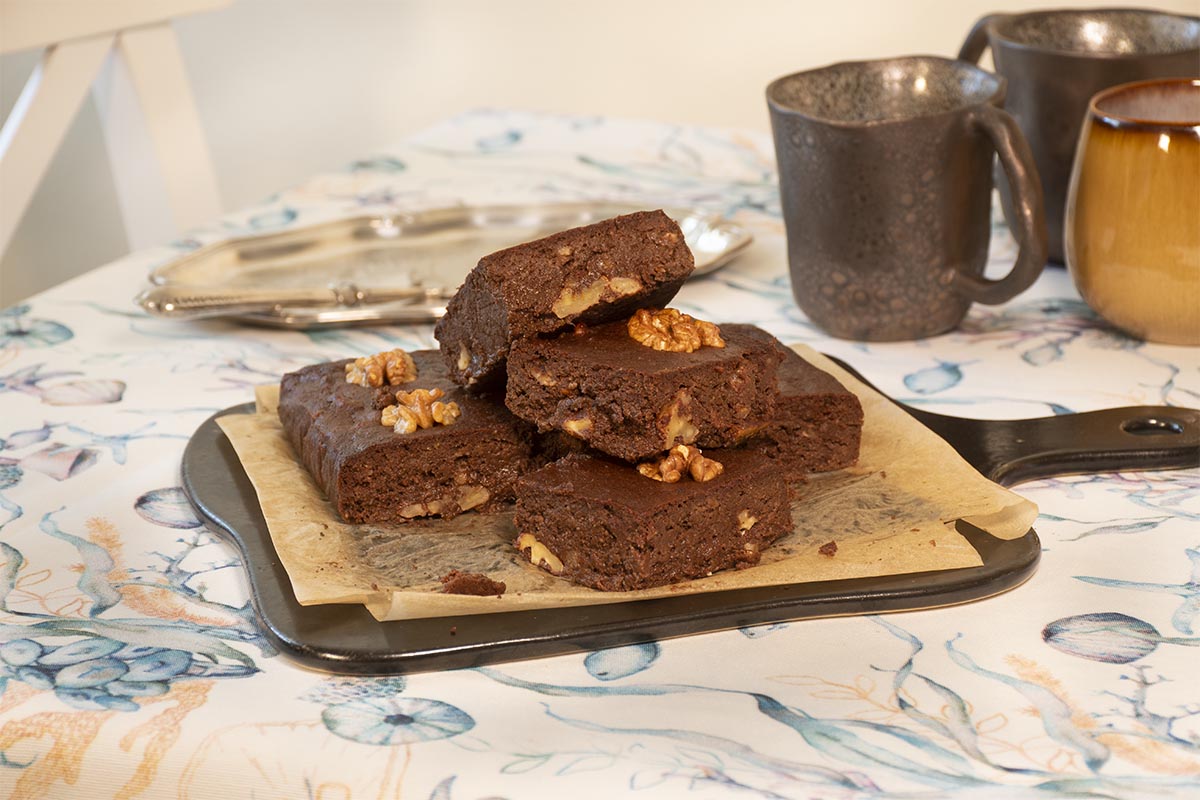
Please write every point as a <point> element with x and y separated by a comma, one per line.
<point>631,401</point>
<point>599,522</point>
<point>818,422</point>
<point>589,275</point>
<point>370,473</point>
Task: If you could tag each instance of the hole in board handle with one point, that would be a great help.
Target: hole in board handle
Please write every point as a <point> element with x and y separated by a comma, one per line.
<point>1152,426</point>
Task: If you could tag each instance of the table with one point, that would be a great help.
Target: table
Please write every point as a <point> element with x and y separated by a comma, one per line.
<point>1010,694</point>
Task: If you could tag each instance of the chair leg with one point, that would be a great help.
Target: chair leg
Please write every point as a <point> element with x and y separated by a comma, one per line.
<point>159,77</point>
<point>37,123</point>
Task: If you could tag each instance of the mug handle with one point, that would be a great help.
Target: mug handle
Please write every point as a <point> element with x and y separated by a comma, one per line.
<point>977,40</point>
<point>1028,213</point>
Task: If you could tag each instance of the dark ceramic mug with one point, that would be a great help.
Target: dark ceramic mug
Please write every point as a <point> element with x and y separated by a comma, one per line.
<point>885,179</point>
<point>1056,60</point>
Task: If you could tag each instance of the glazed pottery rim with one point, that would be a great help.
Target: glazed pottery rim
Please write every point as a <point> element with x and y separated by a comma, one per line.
<point>996,98</point>
<point>1016,44</point>
<point>1122,121</point>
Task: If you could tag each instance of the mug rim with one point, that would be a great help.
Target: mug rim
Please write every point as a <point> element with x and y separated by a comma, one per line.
<point>993,30</point>
<point>995,98</point>
<point>1127,122</point>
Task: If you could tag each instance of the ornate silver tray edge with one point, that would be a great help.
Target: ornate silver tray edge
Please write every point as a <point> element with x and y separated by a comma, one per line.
<point>714,240</point>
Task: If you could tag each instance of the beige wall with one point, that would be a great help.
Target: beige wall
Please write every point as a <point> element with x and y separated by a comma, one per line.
<point>286,88</point>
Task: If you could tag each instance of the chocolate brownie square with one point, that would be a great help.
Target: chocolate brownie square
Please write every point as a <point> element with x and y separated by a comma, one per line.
<point>371,473</point>
<point>818,422</point>
<point>591,274</point>
<point>631,401</point>
<point>603,524</point>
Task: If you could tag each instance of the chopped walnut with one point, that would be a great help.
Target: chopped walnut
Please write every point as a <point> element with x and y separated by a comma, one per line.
<point>539,554</point>
<point>675,421</point>
<point>577,299</point>
<point>682,459</point>
<point>420,408</point>
<point>393,368</point>
<point>578,426</point>
<point>671,330</point>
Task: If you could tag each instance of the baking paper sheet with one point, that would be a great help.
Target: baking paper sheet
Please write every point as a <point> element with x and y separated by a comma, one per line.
<point>891,514</point>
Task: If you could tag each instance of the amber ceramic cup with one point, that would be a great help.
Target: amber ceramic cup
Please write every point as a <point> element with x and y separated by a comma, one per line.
<point>885,181</point>
<point>1056,60</point>
<point>1133,212</point>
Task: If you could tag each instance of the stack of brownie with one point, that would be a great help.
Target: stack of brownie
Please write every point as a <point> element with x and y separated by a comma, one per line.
<point>642,447</point>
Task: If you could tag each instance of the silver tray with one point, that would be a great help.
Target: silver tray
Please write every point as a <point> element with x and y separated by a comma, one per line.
<point>431,251</point>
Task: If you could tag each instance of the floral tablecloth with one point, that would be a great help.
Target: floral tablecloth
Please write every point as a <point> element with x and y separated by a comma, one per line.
<point>131,664</point>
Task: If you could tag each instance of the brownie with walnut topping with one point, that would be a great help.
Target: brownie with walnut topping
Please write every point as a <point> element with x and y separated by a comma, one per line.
<point>372,474</point>
<point>601,523</point>
<point>591,274</point>
<point>632,401</point>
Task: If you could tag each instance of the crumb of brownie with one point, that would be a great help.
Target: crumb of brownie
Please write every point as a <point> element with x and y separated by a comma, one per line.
<point>473,583</point>
<point>828,549</point>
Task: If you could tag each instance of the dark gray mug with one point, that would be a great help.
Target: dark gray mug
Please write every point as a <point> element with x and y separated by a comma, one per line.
<point>1056,60</point>
<point>885,180</point>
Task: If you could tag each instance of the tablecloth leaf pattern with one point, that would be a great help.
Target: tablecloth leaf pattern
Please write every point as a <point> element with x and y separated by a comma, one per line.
<point>131,665</point>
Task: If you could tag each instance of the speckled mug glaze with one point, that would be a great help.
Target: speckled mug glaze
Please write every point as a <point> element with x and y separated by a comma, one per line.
<point>1133,211</point>
<point>1056,60</point>
<point>885,182</point>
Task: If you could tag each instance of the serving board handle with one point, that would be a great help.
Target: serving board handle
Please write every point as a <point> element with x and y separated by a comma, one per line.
<point>1010,451</point>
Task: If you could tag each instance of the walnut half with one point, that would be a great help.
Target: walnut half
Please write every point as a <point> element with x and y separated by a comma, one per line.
<point>420,408</point>
<point>392,368</point>
<point>682,459</point>
<point>671,330</point>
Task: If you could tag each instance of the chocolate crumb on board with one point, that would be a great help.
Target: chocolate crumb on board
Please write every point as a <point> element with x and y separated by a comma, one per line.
<point>828,549</point>
<point>455,582</point>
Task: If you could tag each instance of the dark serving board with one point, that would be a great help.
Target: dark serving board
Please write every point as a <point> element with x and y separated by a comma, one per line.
<point>346,638</point>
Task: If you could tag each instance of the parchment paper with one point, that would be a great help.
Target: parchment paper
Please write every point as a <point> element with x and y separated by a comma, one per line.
<point>891,514</point>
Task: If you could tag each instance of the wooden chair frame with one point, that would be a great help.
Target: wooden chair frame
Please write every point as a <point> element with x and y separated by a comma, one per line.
<point>127,54</point>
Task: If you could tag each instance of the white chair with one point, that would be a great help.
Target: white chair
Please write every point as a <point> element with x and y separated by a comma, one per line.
<point>126,53</point>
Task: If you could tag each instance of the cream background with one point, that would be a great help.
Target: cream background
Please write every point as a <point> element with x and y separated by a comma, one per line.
<point>286,88</point>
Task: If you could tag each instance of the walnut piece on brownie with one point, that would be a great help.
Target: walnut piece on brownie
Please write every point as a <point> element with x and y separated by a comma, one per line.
<point>671,329</point>
<point>372,474</point>
<point>589,275</point>
<point>600,523</point>
<point>634,402</point>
